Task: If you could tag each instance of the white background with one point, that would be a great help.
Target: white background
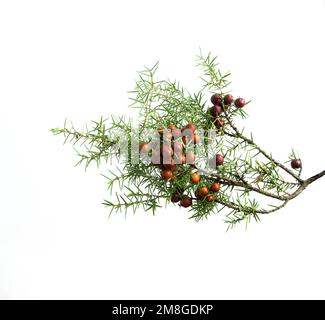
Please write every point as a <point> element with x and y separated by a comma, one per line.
<point>77,60</point>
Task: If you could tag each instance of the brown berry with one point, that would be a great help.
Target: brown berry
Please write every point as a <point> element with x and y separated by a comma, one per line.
<point>186,202</point>
<point>210,198</point>
<point>219,123</point>
<point>219,159</point>
<point>296,164</point>
<point>215,187</point>
<point>166,174</point>
<point>203,191</point>
<point>198,196</point>
<point>175,198</point>
<point>189,126</point>
<point>216,99</point>
<point>240,102</point>
<point>216,110</point>
<point>228,99</point>
<point>195,178</point>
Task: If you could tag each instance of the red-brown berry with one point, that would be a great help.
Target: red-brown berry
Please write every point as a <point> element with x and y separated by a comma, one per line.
<point>190,126</point>
<point>215,187</point>
<point>296,164</point>
<point>216,99</point>
<point>210,198</point>
<point>240,102</point>
<point>203,191</point>
<point>219,159</point>
<point>219,123</point>
<point>186,202</point>
<point>228,99</point>
<point>216,110</point>
<point>166,174</point>
<point>175,198</point>
<point>198,196</point>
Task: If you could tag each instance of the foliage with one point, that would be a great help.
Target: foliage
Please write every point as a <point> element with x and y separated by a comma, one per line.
<point>249,177</point>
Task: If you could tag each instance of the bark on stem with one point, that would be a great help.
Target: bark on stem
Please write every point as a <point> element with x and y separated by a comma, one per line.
<point>305,184</point>
<point>315,177</point>
<point>264,153</point>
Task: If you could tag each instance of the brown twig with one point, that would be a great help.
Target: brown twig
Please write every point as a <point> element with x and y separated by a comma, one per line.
<point>264,153</point>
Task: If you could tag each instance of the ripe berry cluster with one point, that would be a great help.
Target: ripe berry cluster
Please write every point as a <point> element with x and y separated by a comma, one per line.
<point>222,104</point>
<point>174,151</point>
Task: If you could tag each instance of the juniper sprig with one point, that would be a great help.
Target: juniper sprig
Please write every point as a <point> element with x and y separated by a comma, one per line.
<point>186,149</point>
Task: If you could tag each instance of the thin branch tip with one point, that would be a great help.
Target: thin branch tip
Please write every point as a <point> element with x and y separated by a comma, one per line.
<point>315,177</point>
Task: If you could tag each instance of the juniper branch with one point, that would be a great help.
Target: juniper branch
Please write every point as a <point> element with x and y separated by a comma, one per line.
<point>248,170</point>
